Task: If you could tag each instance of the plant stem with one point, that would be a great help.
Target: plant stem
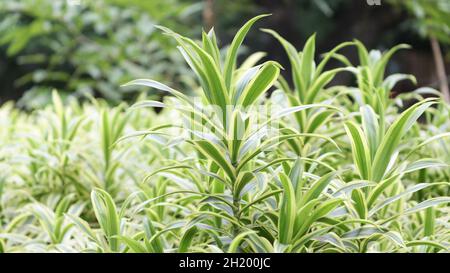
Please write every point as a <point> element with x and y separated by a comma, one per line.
<point>440,68</point>
<point>208,14</point>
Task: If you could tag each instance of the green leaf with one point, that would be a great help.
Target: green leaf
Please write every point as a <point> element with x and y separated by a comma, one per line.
<point>234,245</point>
<point>212,152</point>
<point>210,45</point>
<point>360,203</point>
<point>362,232</point>
<point>380,66</point>
<point>317,188</point>
<point>428,203</point>
<point>286,218</point>
<point>380,188</point>
<point>242,180</point>
<point>328,56</point>
<point>360,149</point>
<point>187,238</point>
<point>424,163</point>
<point>230,59</point>
<point>148,103</point>
<point>392,199</point>
<point>106,214</point>
<point>371,128</point>
<point>212,79</point>
<point>159,86</point>
<point>307,65</point>
<point>362,53</point>
<point>133,244</point>
<point>295,61</point>
<point>430,219</point>
<point>260,83</point>
<point>393,136</point>
<point>319,83</point>
<point>330,238</point>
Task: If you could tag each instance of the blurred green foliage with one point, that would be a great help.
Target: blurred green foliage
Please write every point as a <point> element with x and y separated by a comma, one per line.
<point>164,10</point>
<point>88,47</point>
<point>431,17</point>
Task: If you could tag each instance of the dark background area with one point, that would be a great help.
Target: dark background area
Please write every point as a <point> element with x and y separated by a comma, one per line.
<point>378,27</point>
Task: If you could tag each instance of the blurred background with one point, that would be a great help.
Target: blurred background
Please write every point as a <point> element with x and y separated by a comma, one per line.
<point>91,47</point>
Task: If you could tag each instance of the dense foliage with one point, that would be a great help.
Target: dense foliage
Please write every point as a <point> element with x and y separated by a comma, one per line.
<point>328,169</point>
<point>86,50</point>
<point>431,17</point>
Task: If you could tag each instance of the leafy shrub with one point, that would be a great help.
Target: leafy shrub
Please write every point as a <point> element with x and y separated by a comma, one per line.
<point>331,169</point>
<point>87,49</point>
